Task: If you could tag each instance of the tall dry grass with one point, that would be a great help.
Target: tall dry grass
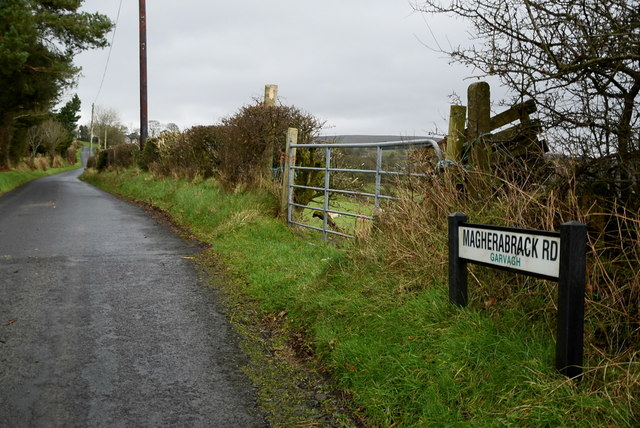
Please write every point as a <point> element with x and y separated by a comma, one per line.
<point>413,241</point>
<point>43,163</point>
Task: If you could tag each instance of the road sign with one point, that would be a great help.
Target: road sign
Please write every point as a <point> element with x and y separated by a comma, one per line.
<point>512,249</point>
<point>555,256</point>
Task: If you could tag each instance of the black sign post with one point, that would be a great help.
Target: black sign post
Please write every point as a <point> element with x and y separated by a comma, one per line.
<point>533,253</point>
<point>457,266</point>
<point>570,330</point>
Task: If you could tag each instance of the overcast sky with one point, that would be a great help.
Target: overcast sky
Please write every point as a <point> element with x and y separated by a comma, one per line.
<point>361,65</point>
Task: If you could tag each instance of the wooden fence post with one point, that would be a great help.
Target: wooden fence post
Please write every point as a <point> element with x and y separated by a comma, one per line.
<point>456,135</point>
<point>289,160</point>
<point>479,100</point>
<point>270,95</point>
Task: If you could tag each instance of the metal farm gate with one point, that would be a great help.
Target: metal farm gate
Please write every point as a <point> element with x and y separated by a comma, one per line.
<point>325,210</point>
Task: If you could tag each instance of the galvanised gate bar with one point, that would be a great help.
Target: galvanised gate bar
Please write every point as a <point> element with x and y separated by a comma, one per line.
<point>378,172</point>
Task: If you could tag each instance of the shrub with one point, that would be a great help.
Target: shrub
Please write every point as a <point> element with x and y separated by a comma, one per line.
<point>125,155</point>
<point>71,155</point>
<point>37,163</point>
<point>190,154</point>
<point>121,156</point>
<point>92,162</point>
<point>102,160</point>
<point>204,143</point>
<point>149,154</point>
<point>42,163</point>
<point>246,149</point>
<point>255,141</point>
<point>57,162</point>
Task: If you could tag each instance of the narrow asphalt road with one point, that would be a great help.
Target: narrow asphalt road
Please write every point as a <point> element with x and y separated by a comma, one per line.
<point>104,320</point>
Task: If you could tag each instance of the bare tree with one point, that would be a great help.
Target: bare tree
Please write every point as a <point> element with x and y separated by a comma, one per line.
<point>34,139</point>
<point>133,134</point>
<point>108,127</point>
<point>52,134</point>
<point>579,60</point>
<point>155,128</point>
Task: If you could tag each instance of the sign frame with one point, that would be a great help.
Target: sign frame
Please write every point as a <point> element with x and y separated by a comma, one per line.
<point>571,283</point>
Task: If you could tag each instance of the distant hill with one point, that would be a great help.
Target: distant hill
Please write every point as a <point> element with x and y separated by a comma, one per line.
<point>359,139</point>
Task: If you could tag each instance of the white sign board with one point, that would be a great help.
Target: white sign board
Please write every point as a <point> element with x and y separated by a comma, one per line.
<point>538,254</point>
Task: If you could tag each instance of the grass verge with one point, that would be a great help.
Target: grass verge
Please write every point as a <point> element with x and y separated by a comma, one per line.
<point>9,180</point>
<point>391,342</point>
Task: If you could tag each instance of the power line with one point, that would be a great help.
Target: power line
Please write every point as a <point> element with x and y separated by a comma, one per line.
<point>106,65</point>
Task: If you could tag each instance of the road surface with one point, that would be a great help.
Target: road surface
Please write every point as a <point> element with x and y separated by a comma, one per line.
<point>104,320</point>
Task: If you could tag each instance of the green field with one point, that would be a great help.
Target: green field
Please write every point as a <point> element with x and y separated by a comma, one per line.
<point>345,224</point>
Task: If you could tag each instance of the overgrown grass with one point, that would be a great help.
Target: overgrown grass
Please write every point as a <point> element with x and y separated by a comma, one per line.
<point>357,226</point>
<point>9,180</point>
<point>382,325</point>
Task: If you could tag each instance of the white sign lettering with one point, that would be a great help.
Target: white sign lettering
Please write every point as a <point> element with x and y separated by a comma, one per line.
<point>526,252</point>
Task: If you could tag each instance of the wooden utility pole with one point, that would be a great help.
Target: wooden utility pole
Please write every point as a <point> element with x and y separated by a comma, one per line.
<point>144,119</point>
<point>91,129</point>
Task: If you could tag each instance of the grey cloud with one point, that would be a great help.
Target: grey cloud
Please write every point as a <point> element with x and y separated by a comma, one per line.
<point>356,64</point>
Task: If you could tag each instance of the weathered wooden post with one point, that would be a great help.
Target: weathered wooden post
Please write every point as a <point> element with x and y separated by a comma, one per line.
<point>456,135</point>
<point>455,140</point>
<point>287,174</point>
<point>270,95</point>
<point>479,101</point>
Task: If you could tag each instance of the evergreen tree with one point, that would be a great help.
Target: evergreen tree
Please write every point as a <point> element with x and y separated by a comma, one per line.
<point>84,133</point>
<point>68,116</point>
<point>38,41</point>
